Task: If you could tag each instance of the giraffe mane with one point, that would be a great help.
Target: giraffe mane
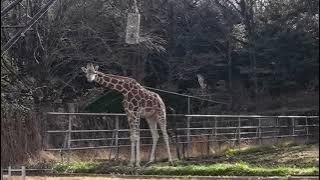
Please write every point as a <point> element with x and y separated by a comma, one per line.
<point>115,76</point>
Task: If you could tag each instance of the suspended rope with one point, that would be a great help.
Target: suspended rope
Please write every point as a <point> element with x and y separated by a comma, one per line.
<point>133,25</point>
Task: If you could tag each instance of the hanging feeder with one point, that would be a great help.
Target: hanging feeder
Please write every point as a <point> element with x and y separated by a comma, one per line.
<point>133,26</point>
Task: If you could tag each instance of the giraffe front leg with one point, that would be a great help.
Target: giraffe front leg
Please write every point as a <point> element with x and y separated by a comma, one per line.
<point>133,142</point>
<point>132,156</point>
<point>138,148</point>
<point>137,136</point>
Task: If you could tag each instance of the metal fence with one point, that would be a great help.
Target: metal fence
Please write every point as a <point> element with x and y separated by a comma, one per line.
<point>10,170</point>
<point>82,131</point>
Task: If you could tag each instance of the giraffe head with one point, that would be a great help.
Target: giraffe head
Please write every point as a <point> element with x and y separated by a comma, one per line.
<point>91,72</point>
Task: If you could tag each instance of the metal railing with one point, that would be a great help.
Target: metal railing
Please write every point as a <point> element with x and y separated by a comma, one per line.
<point>10,170</point>
<point>185,130</point>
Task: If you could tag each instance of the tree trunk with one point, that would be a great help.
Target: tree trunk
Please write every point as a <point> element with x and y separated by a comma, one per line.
<point>229,49</point>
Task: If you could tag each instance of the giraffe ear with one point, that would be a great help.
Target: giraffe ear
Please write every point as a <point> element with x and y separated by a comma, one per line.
<point>96,68</point>
<point>84,69</point>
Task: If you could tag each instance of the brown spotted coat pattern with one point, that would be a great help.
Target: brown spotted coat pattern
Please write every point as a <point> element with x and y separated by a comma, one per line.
<point>138,103</point>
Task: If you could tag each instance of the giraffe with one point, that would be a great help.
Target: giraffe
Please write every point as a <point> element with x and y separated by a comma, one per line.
<point>138,102</point>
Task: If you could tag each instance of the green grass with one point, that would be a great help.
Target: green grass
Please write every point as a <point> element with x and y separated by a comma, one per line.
<point>250,150</point>
<point>239,168</point>
<point>75,167</point>
<point>263,160</point>
<point>284,155</point>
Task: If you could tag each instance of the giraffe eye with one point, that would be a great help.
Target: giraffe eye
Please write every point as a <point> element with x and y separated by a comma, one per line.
<point>91,77</point>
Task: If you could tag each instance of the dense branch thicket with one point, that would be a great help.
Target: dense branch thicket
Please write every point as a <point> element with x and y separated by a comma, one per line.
<point>20,134</point>
<point>246,49</point>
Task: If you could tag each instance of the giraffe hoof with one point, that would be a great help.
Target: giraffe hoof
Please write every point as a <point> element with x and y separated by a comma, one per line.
<point>171,163</point>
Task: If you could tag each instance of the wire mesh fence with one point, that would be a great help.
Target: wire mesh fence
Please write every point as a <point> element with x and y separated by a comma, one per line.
<point>83,131</point>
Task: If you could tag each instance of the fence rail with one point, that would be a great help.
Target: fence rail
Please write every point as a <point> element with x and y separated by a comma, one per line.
<point>181,115</point>
<point>10,170</point>
<point>209,129</point>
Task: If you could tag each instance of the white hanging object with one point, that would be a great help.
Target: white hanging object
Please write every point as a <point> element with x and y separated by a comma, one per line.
<point>201,81</point>
<point>133,26</point>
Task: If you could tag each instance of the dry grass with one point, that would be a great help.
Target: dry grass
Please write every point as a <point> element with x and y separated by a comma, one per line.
<point>284,154</point>
<point>198,149</point>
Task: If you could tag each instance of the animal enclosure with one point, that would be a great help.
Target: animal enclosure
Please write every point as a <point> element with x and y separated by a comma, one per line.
<point>207,133</point>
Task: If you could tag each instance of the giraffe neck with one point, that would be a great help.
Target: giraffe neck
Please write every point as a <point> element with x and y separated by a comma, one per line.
<point>117,83</point>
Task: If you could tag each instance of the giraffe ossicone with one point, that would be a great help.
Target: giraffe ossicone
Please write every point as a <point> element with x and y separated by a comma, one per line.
<point>138,102</point>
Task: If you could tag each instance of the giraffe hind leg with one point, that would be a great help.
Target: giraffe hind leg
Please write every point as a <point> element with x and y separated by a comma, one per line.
<point>163,126</point>
<point>138,158</point>
<point>155,137</point>
<point>136,125</point>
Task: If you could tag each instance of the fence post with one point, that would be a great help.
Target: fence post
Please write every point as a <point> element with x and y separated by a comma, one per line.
<point>71,109</point>
<point>307,130</point>
<point>293,126</point>
<point>9,171</point>
<point>239,133</point>
<point>188,137</point>
<point>45,140</point>
<point>188,128</point>
<point>278,128</point>
<point>47,137</point>
<point>207,123</point>
<point>260,131</point>
<point>69,137</point>
<point>117,137</point>
<point>215,132</point>
<point>178,142</point>
<point>23,173</point>
<point>208,144</point>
